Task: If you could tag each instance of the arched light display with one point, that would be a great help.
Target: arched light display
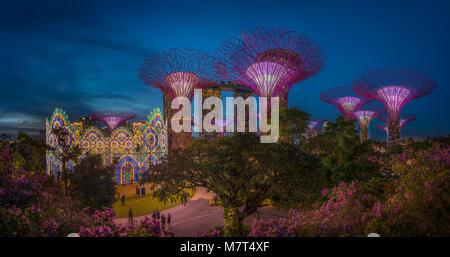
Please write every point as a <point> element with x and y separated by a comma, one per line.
<point>133,149</point>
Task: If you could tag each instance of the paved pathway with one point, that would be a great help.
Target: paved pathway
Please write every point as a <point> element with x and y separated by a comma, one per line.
<point>197,215</point>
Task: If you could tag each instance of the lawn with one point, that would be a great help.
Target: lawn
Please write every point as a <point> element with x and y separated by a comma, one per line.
<point>140,205</point>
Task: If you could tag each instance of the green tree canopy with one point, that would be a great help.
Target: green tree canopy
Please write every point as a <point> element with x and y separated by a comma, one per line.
<point>94,182</point>
<point>239,169</point>
<point>344,157</point>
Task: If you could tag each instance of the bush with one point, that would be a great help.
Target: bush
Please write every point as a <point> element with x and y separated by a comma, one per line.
<point>410,199</point>
<point>31,205</point>
<point>105,226</point>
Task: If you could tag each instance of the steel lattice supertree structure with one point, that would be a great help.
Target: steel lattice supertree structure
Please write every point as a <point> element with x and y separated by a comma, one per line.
<point>177,72</point>
<point>394,87</point>
<point>403,120</point>
<point>312,126</point>
<point>269,60</point>
<point>365,115</point>
<point>112,118</point>
<point>345,99</point>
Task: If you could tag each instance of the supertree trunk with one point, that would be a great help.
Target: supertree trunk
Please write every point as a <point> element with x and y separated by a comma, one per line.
<point>168,114</point>
<point>309,133</point>
<point>315,132</point>
<point>364,132</point>
<point>283,95</point>
<point>394,129</point>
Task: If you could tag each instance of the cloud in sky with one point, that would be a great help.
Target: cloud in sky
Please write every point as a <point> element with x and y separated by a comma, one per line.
<point>83,56</point>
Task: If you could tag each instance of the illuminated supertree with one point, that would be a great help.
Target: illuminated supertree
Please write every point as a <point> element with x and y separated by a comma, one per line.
<point>394,87</point>
<point>112,119</point>
<point>365,115</point>
<point>269,60</point>
<point>345,99</point>
<point>312,126</point>
<point>177,72</point>
<point>404,119</point>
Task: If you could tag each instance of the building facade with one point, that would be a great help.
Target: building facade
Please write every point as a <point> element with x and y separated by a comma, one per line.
<point>134,148</point>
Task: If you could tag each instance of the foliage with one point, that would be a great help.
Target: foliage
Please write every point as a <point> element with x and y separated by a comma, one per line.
<point>217,231</point>
<point>412,199</point>
<point>301,178</point>
<point>292,122</point>
<point>242,171</point>
<point>68,153</point>
<point>105,226</point>
<point>343,156</point>
<point>420,202</point>
<point>28,153</point>
<point>32,204</point>
<point>94,182</point>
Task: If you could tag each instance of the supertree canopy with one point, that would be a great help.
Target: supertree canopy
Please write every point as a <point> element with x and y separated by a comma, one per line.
<point>269,60</point>
<point>345,99</point>
<point>312,125</point>
<point>394,87</point>
<point>112,119</point>
<point>365,115</point>
<point>177,71</point>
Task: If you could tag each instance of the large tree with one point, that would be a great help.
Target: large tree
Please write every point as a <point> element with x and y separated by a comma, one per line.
<point>29,153</point>
<point>95,182</point>
<point>68,153</point>
<point>292,123</point>
<point>342,154</point>
<point>241,170</point>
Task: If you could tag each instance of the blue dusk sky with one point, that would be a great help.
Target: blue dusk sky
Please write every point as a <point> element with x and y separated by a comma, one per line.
<point>83,56</point>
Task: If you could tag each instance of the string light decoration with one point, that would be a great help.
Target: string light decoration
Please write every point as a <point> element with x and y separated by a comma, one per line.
<point>393,87</point>
<point>365,115</point>
<point>345,99</point>
<point>270,60</point>
<point>131,148</point>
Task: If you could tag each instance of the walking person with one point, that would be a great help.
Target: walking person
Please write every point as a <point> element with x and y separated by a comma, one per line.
<point>130,216</point>
<point>123,200</point>
<point>163,221</point>
<point>158,216</point>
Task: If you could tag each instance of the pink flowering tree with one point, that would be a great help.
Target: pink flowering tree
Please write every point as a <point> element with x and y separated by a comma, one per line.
<point>106,226</point>
<point>410,198</point>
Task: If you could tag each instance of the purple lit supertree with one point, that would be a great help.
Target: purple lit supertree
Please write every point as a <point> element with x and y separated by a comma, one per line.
<point>394,87</point>
<point>269,60</point>
<point>365,115</point>
<point>312,126</point>
<point>112,119</point>
<point>404,119</point>
<point>177,72</point>
<point>345,99</point>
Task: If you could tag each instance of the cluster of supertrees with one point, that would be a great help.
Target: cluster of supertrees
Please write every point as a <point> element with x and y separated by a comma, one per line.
<point>391,87</point>
<point>270,60</point>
